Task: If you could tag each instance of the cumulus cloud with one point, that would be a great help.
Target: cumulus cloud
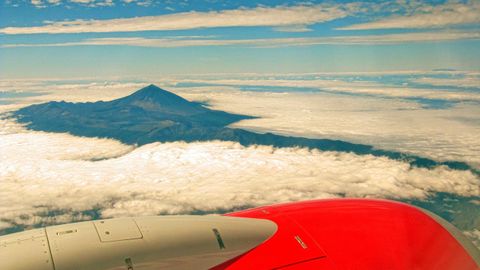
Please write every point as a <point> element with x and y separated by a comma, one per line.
<point>172,42</point>
<point>143,3</point>
<point>82,1</point>
<point>427,16</point>
<point>57,146</point>
<point>474,236</point>
<point>54,2</point>
<point>175,178</point>
<point>260,16</point>
<point>37,3</point>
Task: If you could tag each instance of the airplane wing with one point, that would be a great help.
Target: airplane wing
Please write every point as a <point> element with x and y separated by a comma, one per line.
<point>322,234</point>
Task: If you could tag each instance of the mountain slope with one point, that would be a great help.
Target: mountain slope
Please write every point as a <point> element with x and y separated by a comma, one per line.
<point>150,114</point>
<point>153,98</point>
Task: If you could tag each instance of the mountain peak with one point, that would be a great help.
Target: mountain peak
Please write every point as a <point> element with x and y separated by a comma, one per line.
<point>151,89</point>
<point>153,93</point>
<point>152,98</point>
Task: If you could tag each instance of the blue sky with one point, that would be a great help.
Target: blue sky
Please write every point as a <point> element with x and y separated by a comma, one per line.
<point>103,38</point>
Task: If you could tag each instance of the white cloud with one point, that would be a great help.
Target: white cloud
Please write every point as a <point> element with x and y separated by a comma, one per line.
<point>89,3</point>
<point>5,225</point>
<point>474,236</point>
<point>82,1</point>
<point>356,87</point>
<point>38,3</point>
<point>171,42</point>
<point>427,16</point>
<point>469,81</point>
<point>105,3</point>
<point>393,124</point>
<point>93,3</point>
<point>180,178</point>
<point>58,90</point>
<point>59,146</point>
<point>260,16</point>
<point>292,28</point>
<point>384,123</point>
<point>144,3</point>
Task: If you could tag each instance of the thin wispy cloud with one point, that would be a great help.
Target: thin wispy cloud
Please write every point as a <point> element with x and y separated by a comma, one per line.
<point>252,27</point>
<point>260,16</point>
<point>427,16</point>
<point>468,81</point>
<point>172,42</point>
<point>282,18</point>
<point>345,87</point>
<point>87,3</point>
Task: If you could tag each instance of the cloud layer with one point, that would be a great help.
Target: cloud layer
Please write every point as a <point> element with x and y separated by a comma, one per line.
<point>427,16</point>
<point>468,81</point>
<point>260,16</point>
<point>179,178</point>
<point>391,15</point>
<point>370,113</point>
<point>63,178</point>
<point>88,3</point>
<point>172,42</point>
<point>351,87</point>
<point>63,147</point>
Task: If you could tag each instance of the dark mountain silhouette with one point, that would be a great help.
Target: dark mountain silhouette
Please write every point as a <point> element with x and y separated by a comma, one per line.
<point>154,115</point>
<point>148,115</point>
<point>153,98</point>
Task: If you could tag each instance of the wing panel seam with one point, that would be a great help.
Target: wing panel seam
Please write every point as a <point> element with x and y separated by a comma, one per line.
<point>49,248</point>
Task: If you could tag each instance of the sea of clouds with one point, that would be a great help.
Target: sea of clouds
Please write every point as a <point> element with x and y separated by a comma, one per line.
<point>43,172</point>
<point>49,178</point>
<point>386,116</point>
<point>442,134</point>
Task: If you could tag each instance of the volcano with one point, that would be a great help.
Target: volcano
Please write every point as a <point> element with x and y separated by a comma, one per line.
<point>152,114</point>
